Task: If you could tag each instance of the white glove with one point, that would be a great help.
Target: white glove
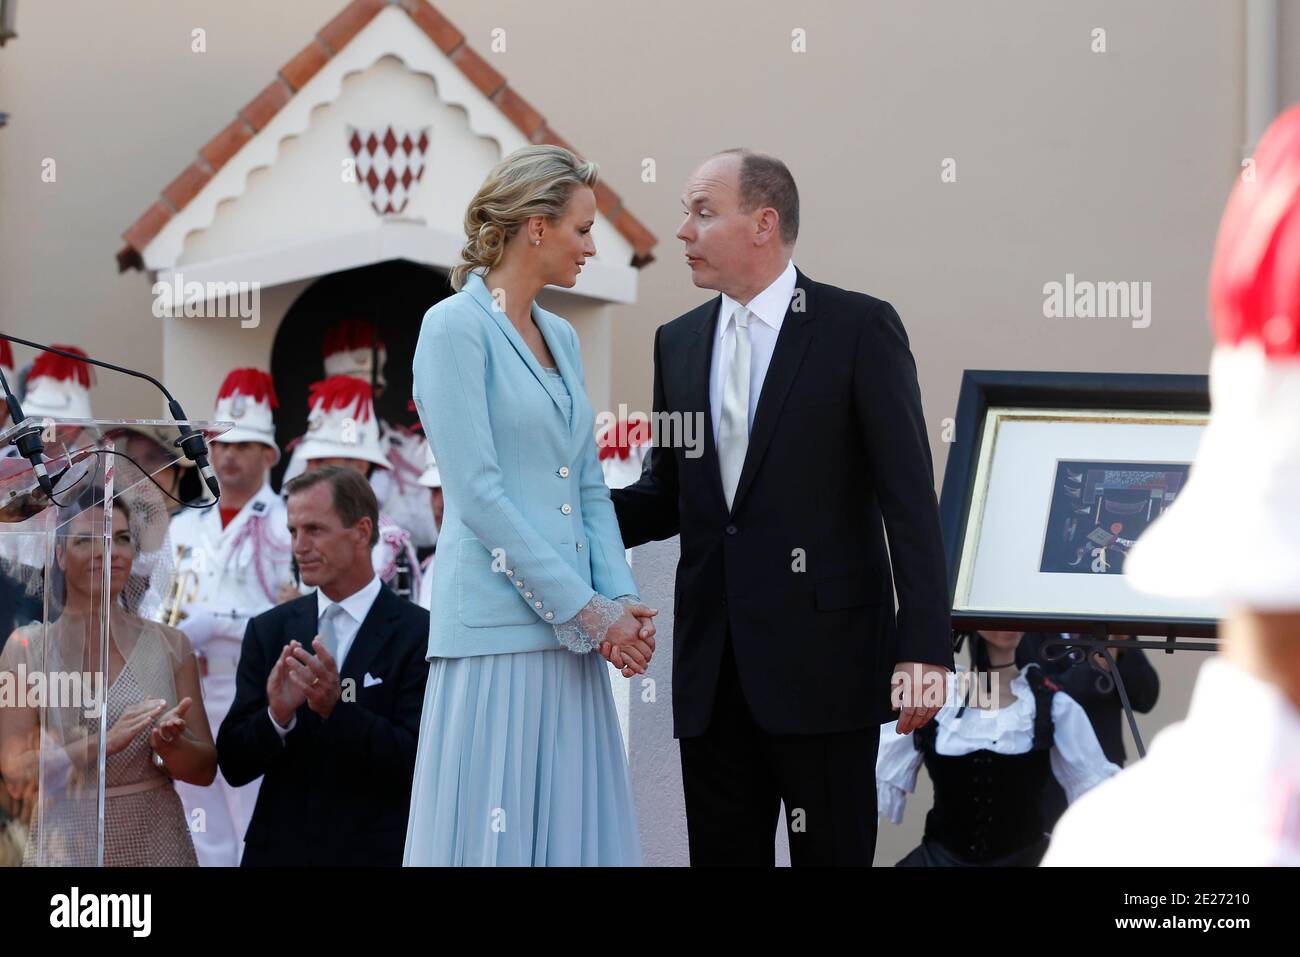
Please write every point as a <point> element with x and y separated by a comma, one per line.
<point>201,625</point>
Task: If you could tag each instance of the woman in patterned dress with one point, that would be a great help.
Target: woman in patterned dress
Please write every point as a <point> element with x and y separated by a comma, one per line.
<point>155,734</point>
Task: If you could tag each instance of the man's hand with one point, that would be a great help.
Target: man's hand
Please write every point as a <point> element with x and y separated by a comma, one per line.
<point>629,643</point>
<point>316,676</point>
<point>610,654</point>
<point>917,691</point>
<point>282,695</point>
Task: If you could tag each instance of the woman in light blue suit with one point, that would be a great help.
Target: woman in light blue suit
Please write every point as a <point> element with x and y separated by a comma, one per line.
<point>520,757</point>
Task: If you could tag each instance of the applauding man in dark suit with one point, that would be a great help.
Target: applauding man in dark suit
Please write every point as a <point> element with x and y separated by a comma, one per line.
<point>329,692</point>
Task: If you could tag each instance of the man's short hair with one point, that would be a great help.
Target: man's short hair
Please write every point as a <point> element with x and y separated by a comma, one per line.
<point>766,181</point>
<point>351,494</point>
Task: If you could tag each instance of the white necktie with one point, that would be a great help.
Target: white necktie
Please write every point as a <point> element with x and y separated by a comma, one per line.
<point>325,627</point>
<point>733,423</point>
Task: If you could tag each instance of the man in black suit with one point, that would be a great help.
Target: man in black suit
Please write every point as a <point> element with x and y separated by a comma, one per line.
<point>333,732</point>
<point>785,626</point>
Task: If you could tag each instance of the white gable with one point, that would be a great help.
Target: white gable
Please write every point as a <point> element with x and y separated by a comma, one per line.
<point>281,209</point>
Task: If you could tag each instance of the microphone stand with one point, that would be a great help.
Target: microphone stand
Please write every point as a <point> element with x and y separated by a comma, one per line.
<point>28,441</point>
<point>190,442</point>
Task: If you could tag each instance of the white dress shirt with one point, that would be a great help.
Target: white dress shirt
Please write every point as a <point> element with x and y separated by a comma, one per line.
<point>346,625</point>
<point>769,307</point>
<point>1077,759</point>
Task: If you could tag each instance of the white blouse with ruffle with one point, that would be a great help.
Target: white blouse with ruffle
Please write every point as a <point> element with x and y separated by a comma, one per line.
<point>1077,759</point>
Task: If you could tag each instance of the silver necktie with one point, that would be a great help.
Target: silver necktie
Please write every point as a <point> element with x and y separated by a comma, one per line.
<point>326,628</point>
<point>733,423</point>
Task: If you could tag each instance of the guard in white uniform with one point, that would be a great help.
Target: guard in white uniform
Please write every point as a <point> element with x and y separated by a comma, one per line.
<point>1222,788</point>
<point>431,479</point>
<point>229,574</point>
<point>350,348</point>
<point>398,487</point>
<point>342,430</point>
<point>18,603</point>
<point>57,387</point>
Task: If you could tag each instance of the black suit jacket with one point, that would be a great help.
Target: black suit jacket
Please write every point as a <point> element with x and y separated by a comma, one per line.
<point>797,569</point>
<point>335,791</point>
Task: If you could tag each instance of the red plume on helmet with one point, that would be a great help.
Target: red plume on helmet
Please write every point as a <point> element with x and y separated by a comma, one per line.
<point>1255,277</point>
<point>349,334</point>
<point>51,366</point>
<point>254,383</point>
<point>342,392</point>
<point>6,354</point>
<point>623,436</point>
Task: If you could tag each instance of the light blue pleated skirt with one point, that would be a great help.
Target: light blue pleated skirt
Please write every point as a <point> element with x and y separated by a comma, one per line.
<point>520,762</point>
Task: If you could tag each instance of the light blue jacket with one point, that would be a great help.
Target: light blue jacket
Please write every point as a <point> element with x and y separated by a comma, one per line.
<point>528,533</point>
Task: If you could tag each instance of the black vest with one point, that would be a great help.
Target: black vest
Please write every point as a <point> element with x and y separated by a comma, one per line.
<point>989,805</point>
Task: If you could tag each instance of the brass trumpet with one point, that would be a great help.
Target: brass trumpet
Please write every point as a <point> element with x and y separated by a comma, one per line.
<point>182,589</point>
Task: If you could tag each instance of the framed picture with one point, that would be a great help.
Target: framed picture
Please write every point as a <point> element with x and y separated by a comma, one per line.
<point>1051,479</point>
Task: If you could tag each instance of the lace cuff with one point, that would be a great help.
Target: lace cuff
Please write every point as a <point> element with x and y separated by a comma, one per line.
<point>585,630</point>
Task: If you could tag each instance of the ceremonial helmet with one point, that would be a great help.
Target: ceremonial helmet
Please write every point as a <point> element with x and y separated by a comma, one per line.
<point>622,449</point>
<point>1233,534</point>
<point>341,423</point>
<point>59,387</point>
<point>349,348</point>
<point>246,398</point>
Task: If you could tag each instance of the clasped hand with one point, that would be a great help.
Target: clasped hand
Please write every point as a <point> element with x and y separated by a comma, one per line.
<point>299,676</point>
<point>629,643</point>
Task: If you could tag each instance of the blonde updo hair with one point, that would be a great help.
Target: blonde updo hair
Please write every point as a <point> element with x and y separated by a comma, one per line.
<point>532,181</point>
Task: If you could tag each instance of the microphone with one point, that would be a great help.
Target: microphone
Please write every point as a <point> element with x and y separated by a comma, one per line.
<point>28,441</point>
<point>190,441</point>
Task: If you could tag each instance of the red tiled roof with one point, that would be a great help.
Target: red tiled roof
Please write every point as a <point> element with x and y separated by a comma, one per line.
<point>294,74</point>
